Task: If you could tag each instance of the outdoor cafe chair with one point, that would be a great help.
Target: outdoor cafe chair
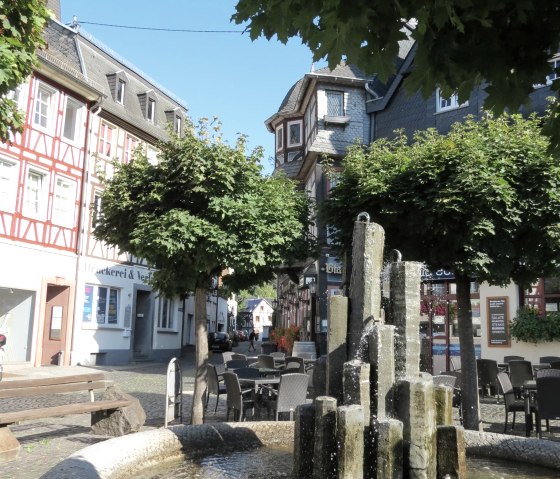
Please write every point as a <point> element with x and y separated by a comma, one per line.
<point>227,356</point>
<point>511,402</point>
<point>548,405</point>
<point>548,359</point>
<point>238,400</point>
<point>265,361</point>
<point>247,373</point>
<point>292,391</point>
<point>292,362</point>
<point>238,356</point>
<point>214,386</point>
<point>555,365</point>
<point>236,364</point>
<point>519,372</point>
<point>487,372</point>
<point>279,357</point>
<point>455,363</point>
<point>507,359</point>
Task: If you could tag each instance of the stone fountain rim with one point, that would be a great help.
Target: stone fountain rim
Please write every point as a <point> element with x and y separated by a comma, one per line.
<point>121,457</point>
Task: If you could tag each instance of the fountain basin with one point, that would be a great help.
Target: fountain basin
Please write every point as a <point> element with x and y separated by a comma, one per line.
<point>122,457</point>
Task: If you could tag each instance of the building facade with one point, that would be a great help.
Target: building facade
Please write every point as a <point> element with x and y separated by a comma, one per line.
<point>65,297</point>
<point>327,111</point>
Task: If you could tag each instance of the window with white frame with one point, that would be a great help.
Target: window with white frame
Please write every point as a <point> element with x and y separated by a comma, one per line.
<point>448,103</point>
<point>335,103</point>
<point>44,106</point>
<point>72,120</point>
<point>130,144</point>
<point>101,305</point>
<point>107,138</point>
<point>8,185</point>
<point>96,209</point>
<point>121,86</point>
<point>64,204</point>
<point>34,203</point>
<point>16,95</point>
<point>151,110</point>
<point>279,138</point>
<point>165,317</point>
<point>554,64</point>
<point>152,154</point>
<point>178,125</point>
<point>294,133</point>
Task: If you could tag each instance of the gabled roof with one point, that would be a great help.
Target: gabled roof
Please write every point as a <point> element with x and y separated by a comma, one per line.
<point>252,303</point>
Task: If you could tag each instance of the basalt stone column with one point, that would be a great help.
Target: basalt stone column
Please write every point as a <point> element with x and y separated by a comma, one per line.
<point>405,315</point>
<point>304,430</point>
<point>350,438</point>
<point>389,449</point>
<point>365,281</point>
<point>325,453</point>
<point>382,370</point>
<point>336,344</point>
<point>451,453</point>
<point>356,386</point>
<point>443,396</point>
<point>414,403</point>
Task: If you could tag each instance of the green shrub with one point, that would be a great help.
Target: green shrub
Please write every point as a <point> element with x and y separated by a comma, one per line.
<point>531,327</point>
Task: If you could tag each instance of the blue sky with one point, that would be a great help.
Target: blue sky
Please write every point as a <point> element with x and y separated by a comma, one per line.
<point>215,74</point>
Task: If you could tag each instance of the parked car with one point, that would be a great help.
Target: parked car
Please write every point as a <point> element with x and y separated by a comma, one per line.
<point>219,341</point>
<point>241,335</point>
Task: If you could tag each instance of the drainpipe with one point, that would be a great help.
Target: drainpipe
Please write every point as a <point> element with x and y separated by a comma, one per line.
<point>371,91</point>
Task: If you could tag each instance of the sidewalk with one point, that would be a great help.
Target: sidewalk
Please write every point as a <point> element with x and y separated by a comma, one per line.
<point>46,442</point>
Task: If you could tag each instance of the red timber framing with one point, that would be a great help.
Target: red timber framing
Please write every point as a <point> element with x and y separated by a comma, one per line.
<point>45,165</point>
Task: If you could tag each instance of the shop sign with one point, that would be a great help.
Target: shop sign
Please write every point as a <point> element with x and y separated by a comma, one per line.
<point>121,272</point>
<point>440,274</point>
<point>333,268</point>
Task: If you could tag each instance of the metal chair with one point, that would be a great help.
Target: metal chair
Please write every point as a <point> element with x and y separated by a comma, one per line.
<point>236,364</point>
<point>548,406</point>
<point>214,386</point>
<point>265,361</point>
<point>487,372</point>
<point>548,359</point>
<point>555,365</point>
<point>238,400</point>
<point>293,362</point>
<point>507,359</point>
<point>227,356</point>
<point>519,372</point>
<point>292,391</point>
<point>279,357</point>
<point>512,403</point>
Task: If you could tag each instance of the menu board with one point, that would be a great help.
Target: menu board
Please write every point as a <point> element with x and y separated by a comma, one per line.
<point>498,322</point>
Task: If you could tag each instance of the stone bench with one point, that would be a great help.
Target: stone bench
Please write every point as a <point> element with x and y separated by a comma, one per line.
<point>105,411</point>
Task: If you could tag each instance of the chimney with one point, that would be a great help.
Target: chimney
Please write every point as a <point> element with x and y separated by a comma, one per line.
<point>54,6</point>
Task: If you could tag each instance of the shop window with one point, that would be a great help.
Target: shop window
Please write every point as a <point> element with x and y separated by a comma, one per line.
<point>101,305</point>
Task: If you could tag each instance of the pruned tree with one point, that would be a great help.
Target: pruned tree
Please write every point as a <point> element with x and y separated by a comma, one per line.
<point>21,27</point>
<point>504,44</point>
<point>204,207</point>
<point>481,202</point>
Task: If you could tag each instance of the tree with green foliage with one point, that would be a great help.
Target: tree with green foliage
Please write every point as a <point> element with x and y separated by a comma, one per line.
<point>482,202</point>
<point>21,27</point>
<point>202,208</point>
<point>503,44</point>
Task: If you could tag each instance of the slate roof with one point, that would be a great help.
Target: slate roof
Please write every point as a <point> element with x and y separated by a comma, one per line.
<point>95,61</point>
<point>252,303</point>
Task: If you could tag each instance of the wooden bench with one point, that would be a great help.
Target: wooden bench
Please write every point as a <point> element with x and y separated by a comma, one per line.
<point>48,386</point>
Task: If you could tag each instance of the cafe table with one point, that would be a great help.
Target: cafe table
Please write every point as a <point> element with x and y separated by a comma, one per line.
<point>529,394</point>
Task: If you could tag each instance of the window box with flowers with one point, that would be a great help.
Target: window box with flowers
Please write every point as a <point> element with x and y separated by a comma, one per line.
<point>531,326</point>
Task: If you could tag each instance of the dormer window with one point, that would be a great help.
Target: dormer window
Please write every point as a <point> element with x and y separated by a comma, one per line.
<point>117,84</point>
<point>120,91</point>
<point>176,117</point>
<point>148,103</point>
<point>448,103</point>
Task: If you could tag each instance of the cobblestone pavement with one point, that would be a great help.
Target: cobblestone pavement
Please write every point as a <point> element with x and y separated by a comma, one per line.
<point>46,442</point>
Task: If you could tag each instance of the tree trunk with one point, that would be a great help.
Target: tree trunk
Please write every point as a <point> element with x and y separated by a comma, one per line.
<point>201,357</point>
<point>469,385</point>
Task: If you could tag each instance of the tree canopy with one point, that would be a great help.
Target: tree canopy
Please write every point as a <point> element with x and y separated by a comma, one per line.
<point>21,27</point>
<point>459,44</point>
<point>204,207</point>
<point>481,202</point>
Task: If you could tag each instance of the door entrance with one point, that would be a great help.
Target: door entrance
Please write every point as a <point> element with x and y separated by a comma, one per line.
<point>143,325</point>
<point>56,319</point>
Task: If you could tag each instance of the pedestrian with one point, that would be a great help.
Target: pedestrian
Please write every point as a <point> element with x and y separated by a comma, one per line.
<point>252,337</point>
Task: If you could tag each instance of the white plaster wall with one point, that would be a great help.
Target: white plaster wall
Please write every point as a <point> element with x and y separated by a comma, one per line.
<point>531,352</point>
